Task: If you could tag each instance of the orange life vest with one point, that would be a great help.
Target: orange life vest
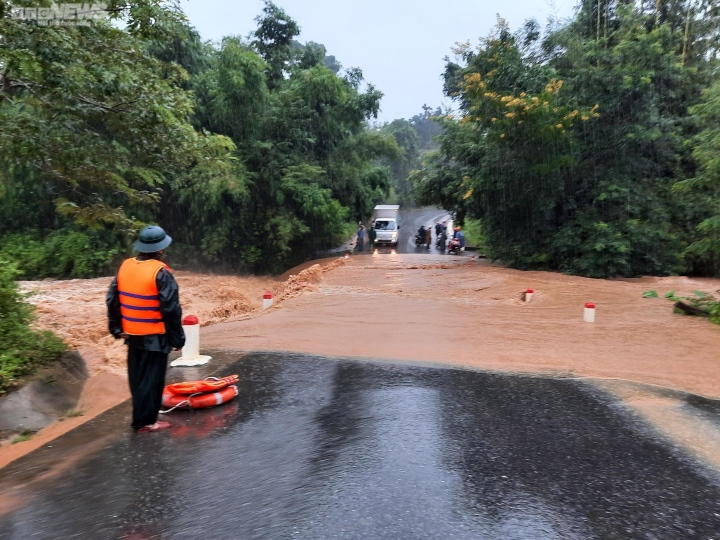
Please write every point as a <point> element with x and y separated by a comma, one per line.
<point>139,297</point>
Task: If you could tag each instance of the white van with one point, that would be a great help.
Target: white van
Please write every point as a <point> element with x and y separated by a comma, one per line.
<point>385,223</point>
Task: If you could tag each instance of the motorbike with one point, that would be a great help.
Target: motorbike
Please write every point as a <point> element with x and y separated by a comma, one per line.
<point>419,239</point>
<point>440,242</point>
<point>454,247</point>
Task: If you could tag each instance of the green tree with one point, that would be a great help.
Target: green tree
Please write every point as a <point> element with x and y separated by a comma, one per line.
<point>408,160</point>
<point>274,41</point>
<point>302,159</point>
<point>627,219</point>
<point>567,148</point>
<point>92,120</point>
<point>703,189</point>
<point>508,158</point>
<point>427,128</point>
<point>256,154</point>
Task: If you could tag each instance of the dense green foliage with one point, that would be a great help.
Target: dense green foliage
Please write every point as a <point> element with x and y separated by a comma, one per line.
<point>590,149</point>
<point>474,234</point>
<point>304,162</point>
<point>92,123</point>
<point>704,188</point>
<point>576,150</point>
<point>22,350</point>
<point>61,253</point>
<point>253,154</point>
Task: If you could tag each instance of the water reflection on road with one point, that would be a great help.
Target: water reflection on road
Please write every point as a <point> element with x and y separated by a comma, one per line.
<point>322,448</point>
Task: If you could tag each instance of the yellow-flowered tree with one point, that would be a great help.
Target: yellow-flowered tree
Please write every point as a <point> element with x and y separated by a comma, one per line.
<point>567,147</point>
<point>508,156</point>
<point>528,163</point>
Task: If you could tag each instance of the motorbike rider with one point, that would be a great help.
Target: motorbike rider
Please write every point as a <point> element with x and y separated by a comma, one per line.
<point>441,239</point>
<point>459,236</point>
<point>420,238</point>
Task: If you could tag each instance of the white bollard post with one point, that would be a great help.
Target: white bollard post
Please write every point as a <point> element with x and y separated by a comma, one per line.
<point>267,300</point>
<point>529,294</point>
<point>589,312</point>
<point>191,351</point>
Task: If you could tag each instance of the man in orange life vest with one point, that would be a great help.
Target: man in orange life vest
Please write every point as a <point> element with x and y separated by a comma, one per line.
<point>143,306</point>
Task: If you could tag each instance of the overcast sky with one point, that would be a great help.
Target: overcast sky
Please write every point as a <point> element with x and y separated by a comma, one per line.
<point>398,44</point>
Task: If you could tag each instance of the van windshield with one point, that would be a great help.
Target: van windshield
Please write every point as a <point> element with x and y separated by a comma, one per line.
<point>384,225</point>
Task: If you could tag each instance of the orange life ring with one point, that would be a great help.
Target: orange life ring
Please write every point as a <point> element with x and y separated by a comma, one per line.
<point>199,401</point>
<point>211,384</point>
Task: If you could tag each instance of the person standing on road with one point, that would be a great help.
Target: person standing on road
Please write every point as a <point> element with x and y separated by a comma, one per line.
<point>428,237</point>
<point>372,235</point>
<point>143,308</point>
<point>361,238</point>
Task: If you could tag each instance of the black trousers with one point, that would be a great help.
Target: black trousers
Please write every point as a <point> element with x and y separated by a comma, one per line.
<point>146,374</point>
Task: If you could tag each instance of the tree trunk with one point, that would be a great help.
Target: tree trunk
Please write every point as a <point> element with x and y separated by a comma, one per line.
<point>685,38</point>
<point>691,310</point>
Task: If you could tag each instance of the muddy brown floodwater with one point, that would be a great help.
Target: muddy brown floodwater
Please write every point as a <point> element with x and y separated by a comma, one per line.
<point>429,308</point>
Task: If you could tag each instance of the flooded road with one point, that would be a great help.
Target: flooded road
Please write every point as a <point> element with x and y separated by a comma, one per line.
<point>329,448</point>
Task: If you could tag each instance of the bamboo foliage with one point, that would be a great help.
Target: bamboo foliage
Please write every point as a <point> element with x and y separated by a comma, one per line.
<point>610,192</point>
<point>253,152</point>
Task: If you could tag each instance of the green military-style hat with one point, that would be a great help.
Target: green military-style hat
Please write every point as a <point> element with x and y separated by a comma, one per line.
<point>151,239</point>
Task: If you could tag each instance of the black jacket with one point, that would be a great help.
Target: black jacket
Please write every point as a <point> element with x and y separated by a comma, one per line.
<point>174,337</point>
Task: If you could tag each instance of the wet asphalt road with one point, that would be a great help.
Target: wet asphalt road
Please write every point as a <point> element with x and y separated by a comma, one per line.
<point>323,448</point>
<point>410,221</point>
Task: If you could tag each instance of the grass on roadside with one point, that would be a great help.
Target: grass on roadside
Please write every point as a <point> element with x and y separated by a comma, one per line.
<point>72,413</point>
<point>24,436</point>
<point>474,235</point>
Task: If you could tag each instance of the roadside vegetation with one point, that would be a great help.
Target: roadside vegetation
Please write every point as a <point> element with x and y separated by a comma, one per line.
<point>587,147</point>
<point>590,148</point>
<point>72,413</point>
<point>24,436</point>
<point>22,349</point>
<point>474,234</point>
<point>254,153</point>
